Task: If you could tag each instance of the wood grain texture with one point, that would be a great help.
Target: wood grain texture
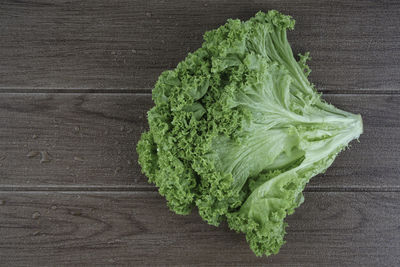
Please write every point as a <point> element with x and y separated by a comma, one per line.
<point>71,191</point>
<point>126,44</point>
<point>335,229</point>
<point>91,139</point>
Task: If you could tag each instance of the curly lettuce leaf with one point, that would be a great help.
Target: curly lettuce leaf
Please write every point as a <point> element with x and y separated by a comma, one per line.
<point>238,130</point>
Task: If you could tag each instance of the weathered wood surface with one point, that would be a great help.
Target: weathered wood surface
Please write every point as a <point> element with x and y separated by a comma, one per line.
<point>126,44</point>
<point>135,229</point>
<point>91,141</point>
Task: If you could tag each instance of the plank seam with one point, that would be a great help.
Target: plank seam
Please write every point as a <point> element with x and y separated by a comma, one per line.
<point>147,91</point>
<point>154,189</point>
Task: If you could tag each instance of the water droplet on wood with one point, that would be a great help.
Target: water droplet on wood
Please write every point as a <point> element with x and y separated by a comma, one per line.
<point>45,157</point>
<point>75,212</point>
<point>35,215</point>
<point>76,158</point>
<point>32,154</point>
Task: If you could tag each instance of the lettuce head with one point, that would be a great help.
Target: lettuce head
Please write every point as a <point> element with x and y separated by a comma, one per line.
<point>238,130</point>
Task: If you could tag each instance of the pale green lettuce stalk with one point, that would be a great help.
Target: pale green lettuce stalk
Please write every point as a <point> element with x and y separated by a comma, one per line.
<point>238,130</point>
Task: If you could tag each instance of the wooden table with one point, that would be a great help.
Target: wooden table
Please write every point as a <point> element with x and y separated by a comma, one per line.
<point>75,84</point>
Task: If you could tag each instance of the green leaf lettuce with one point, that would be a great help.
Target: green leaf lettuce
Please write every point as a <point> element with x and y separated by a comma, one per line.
<point>238,130</point>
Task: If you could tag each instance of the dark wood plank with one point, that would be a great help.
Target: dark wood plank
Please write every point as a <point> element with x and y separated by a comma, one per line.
<point>126,44</point>
<point>91,142</point>
<point>91,139</point>
<point>335,229</point>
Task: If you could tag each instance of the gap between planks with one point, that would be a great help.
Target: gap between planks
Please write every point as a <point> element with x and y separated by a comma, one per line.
<point>147,91</point>
<point>113,189</point>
